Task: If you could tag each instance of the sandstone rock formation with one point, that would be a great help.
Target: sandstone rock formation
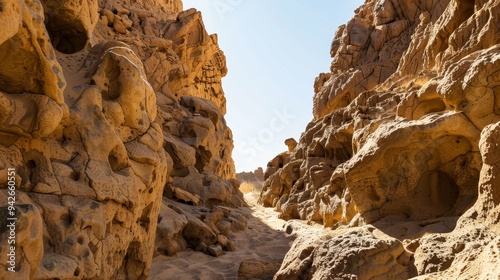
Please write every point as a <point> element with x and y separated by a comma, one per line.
<point>400,157</point>
<point>182,226</point>
<point>184,66</point>
<point>104,107</point>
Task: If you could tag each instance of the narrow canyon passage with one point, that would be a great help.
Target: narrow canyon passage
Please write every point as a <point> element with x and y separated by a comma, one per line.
<point>122,158</point>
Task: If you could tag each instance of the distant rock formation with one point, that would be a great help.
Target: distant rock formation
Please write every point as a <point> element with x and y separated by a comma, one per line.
<point>104,107</point>
<point>401,157</point>
<point>253,179</point>
<point>256,175</point>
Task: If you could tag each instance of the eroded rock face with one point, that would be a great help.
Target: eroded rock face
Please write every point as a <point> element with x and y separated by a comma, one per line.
<point>98,109</point>
<point>97,196</point>
<point>184,66</point>
<point>399,138</point>
<point>25,36</point>
<point>180,57</point>
<point>471,250</point>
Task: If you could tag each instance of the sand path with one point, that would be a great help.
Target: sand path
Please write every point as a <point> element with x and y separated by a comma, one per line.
<point>259,252</point>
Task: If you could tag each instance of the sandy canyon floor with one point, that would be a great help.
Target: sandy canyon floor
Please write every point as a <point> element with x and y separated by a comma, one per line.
<point>260,249</point>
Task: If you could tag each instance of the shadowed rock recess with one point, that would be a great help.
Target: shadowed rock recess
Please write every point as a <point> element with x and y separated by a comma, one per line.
<point>402,157</point>
<point>112,115</point>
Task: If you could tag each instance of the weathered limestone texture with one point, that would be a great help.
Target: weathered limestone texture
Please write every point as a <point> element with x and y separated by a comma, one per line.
<point>402,145</point>
<point>105,107</point>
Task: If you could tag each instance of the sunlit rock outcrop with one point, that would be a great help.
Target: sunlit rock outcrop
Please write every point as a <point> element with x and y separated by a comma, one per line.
<point>112,117</point>
<point>400,145</point>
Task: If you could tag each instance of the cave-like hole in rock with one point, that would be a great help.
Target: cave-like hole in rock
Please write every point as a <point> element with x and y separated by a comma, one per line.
<point>441,183</point>
<point>74,176</point>
<point>66,37</point>
<point>31,164</point>
<point>77,272</point>
<point>427,107</point>
<point>436,193</point>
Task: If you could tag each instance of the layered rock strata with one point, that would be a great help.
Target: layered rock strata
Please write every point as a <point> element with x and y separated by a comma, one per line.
<point>399,158</point>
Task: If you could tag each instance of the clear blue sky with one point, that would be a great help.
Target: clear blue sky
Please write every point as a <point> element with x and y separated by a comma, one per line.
<point>274,51</point>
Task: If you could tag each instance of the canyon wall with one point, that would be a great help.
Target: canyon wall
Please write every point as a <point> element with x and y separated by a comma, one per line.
<point>112,127</point>
<point>401,158</point>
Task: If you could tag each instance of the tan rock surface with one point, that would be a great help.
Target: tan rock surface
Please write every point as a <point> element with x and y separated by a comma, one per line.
<point>402,139</point>
<point>97,197</point>
<point>98,109</point>
<point>191,113</point>
<point>29,235</point>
